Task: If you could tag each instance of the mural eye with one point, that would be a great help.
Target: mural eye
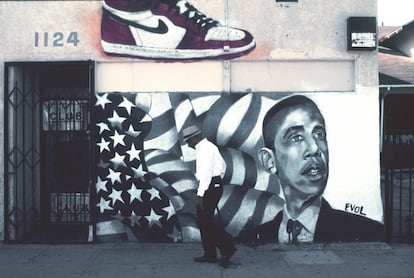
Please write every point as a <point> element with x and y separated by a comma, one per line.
<point>320,135</point>
<point>296,138</point>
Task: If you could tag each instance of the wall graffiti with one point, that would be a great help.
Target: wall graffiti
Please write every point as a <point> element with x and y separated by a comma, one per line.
<point>355,209</point>
<point>296,151</point>
<point>145,184</point>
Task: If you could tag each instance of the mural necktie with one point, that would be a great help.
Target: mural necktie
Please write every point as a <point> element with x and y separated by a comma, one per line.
<point>293,228</point>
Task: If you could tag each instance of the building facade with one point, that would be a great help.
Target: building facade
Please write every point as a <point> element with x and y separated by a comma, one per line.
<point>95,95</point>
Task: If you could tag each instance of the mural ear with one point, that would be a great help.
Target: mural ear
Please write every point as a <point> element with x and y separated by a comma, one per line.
<point>267,160</point>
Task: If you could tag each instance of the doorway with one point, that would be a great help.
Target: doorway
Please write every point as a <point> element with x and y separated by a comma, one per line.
<point>48,152</point>
<point>397,165</point>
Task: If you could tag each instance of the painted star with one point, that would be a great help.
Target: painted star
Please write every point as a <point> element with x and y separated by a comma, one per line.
<point>102,100</point>
<point>114,176</point>
<point>118,139</point>
<point>116,196</point>
<point>101,185</point>
<point>102,164</point>
<point>135,219</point>
<point>116,120</point>
<point>133,153</point>
<point>102,127</point>
<point>176,235</point>
<point>135,193</point>
<point>138,172</point>
<point>127,105</point>
<point>104,205</point>
<point>154,193</point>
<point>169,210</point>
<point>118,216</point>
<point>118,160</point>
<point>153,218</point>
<point>132,132</point>
<point>103,145</point>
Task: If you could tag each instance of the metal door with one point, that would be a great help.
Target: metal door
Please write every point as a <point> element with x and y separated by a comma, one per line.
<point>48,152</point>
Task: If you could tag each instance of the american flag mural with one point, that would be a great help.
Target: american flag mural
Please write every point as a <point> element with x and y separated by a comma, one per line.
<point>145,183</point>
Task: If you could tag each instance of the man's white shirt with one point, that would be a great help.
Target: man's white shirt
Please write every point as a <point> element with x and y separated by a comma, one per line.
<point>209,163</point>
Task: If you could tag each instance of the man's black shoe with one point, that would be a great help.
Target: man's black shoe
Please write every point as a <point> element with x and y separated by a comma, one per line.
<point>225,260</point>
<point>204,259</point>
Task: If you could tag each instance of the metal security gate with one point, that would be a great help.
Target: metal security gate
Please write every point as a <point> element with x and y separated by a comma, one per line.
<point>47,152</point>
<point>397,166</point>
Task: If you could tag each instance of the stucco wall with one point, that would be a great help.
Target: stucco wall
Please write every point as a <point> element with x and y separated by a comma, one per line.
<point>305,31</point>
<point>300,47</point>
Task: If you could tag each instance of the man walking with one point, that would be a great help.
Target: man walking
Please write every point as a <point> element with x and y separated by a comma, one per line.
<point>210,169</point>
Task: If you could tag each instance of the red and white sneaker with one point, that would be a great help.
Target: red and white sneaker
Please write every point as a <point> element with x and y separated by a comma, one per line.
<point>168,29</point>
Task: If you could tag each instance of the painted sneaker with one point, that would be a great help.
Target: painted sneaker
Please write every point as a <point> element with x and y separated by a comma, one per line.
<point>168,29</point>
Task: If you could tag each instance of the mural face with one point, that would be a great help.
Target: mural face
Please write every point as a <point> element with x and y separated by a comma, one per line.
<point>146,187</point>
<point>299,150</point>
<point>159,29</point>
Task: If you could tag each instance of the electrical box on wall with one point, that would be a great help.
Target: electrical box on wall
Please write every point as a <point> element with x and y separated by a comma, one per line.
<point>362,33</point>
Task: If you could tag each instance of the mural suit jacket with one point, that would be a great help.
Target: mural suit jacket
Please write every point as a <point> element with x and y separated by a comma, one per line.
<point>332,226</point>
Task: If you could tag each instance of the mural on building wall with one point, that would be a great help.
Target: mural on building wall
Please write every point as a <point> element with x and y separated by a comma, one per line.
<point>172,29</point>
<point>146,188</point>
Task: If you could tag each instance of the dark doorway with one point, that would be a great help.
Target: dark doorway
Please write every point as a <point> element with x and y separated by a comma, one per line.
<point>397,165</point>
<point>48,152</point>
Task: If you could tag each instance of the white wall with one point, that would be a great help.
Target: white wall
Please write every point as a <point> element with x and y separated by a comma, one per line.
<point>301,47</point>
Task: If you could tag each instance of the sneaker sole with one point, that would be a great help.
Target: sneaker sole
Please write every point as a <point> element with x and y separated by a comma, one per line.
<point>174,54</point>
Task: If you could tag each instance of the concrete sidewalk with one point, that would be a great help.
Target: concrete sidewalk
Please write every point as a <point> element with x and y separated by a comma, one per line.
<point>176,260</point>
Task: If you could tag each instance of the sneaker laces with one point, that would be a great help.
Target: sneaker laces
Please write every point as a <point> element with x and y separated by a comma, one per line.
<point>191,13</point>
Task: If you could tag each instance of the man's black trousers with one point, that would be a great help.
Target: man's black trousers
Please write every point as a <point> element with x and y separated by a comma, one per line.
<point>213,234</point>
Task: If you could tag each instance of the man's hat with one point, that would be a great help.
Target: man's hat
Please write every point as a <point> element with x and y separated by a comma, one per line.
<point>190,131</point>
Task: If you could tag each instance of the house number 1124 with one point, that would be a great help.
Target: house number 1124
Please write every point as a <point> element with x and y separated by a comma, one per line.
<point>55,39</point>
